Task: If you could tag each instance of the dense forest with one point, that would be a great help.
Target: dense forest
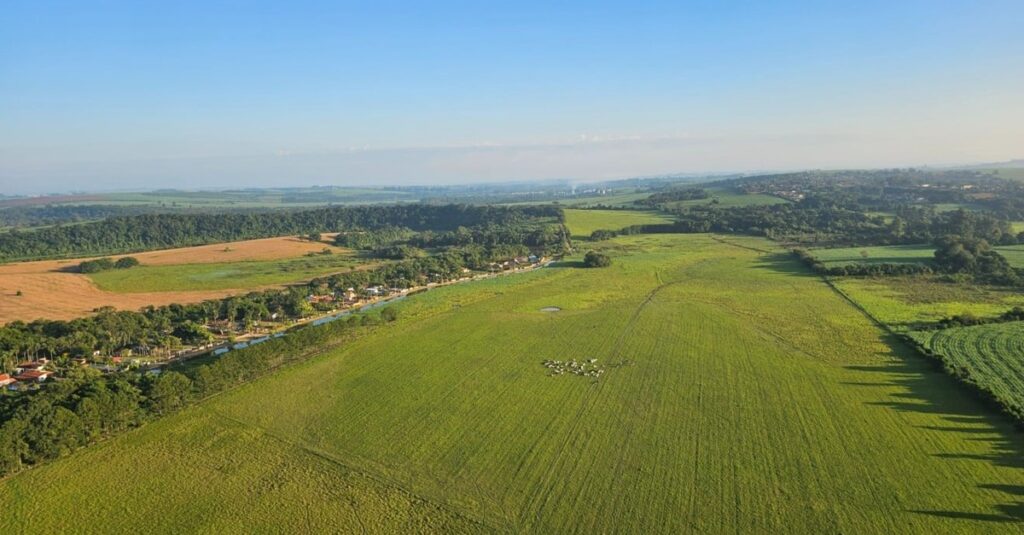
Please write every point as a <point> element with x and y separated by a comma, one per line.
<point>161,231</point>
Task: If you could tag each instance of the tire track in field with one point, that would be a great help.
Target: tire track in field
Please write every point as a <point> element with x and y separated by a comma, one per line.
<point>747,247</point>
<point>585,407</point>
<point>377,478</point>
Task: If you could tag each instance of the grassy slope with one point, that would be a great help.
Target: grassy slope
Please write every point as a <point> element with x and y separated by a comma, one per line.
<point>582,222</point>
<point>994,355</point>
<point>892,254</point>
<point>736,408</point>
<point>221,276</point>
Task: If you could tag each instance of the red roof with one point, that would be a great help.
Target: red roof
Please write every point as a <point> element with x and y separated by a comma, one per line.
<point>29,365</point>
<point>5,377</point>
<point>32,375</point>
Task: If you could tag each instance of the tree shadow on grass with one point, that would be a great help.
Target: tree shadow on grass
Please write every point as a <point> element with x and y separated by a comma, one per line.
<point>783,263</point>
<point>567,264</point>
<point>927,390</point>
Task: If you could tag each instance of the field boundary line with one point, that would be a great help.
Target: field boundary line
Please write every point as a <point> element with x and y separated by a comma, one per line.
<point>747,247</point>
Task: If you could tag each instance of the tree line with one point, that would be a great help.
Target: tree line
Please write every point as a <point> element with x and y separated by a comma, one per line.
<point>159,231</point>
<point>673,195</point>
<point>106,264</point>
<point>954,255</point>
<point>86,406</point>
<point>828,225</point>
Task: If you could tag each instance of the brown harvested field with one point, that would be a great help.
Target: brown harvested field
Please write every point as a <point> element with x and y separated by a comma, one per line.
<point>51,292</point>
<point>239,251</point>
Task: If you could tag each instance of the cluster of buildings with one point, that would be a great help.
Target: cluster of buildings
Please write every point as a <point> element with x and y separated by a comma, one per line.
<point>350,297</point>
<point>515,263</point>
<point>25,374</point>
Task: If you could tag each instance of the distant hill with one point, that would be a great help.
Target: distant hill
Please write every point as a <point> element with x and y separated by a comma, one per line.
<point>1011,164</point>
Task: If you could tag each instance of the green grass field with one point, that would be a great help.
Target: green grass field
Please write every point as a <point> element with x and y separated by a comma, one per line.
<point>993,354</point>
<point>741,395</point>
<point>222,275</point>
<point>904,302</point>
<point>1013,253</point>
<point>624,197</point>
<point>727,198</point>
<point>892,254</point>
<point>582,222</point>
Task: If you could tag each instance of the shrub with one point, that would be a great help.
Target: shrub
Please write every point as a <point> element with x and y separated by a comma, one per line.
<point>594,259</point>
<point>601,235</point>
<point>95,266</point>
<point>389,314</point>
<point>126,262</point>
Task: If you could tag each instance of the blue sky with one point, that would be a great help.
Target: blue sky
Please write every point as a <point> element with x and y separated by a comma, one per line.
<point>101,95</point>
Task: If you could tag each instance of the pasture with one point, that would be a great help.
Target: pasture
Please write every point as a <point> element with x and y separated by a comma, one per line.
<point>905,302</point>
<point>222,276</point>
<point>727,198</point>
<point>582,222</point>
<point>624,197</point>
<point>992,354</point>
<point>51,290</point>
<point>1013,253</point>
<point>727,405</point>
<point>892,254</point>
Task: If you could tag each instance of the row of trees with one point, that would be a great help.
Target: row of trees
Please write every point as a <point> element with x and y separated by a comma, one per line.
<point>953,255</point>
<point>673,195</point>
<point>836,226</point>
<point>158,231</point>
<point>150,330</point>
<point>105,264</point>
<point>86,406</point>
<point>871,270</point>
<point>966,320</point>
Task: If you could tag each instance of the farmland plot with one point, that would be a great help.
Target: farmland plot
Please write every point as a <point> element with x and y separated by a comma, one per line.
<point>993,354</point>
<point>739,395</point>
<point>582,222</point>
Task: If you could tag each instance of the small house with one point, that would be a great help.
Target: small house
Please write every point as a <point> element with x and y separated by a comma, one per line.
<point>6,379</point>
<point>34,376</point>
<point>29,366</point>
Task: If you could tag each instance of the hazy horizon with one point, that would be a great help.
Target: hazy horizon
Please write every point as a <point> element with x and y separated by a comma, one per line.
<point>116,95</point>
